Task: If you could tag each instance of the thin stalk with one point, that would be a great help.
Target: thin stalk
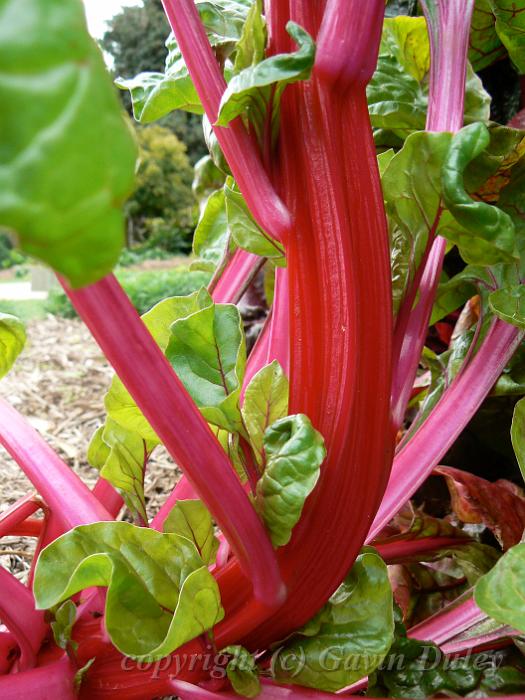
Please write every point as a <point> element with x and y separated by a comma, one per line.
<point>402,550</point>
<point>448,23</point>
<point>236,277</point>
<point>17,513</point>
<point>448,622</point>
<point>160,395</point>
<point>239,148</point>
<point>108,496</point>
<point>70,500</point>
<point>457,406</point>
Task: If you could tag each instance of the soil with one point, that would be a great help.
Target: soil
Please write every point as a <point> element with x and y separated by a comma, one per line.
<point>58,384</point>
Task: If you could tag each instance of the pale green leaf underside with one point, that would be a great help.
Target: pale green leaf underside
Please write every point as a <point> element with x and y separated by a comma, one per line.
<point>160,594</point>
<point>294,453</point>
<point>68,156</point>
<point>191,519</point>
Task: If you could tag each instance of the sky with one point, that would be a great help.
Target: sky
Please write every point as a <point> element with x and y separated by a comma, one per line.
<point>99,11</point>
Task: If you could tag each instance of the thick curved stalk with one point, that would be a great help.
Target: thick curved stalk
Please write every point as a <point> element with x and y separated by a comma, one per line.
<point>17,612</point>
<point>166,404</point>
<point>239,148</point>
<point>460,402</point>
<point>69,499</point>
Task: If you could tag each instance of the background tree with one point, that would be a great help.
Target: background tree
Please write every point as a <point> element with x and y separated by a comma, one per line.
<point>135,41</point>
<point>162,208</point>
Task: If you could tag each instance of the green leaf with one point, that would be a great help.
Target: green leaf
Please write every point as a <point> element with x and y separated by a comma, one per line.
<point>508,303</point>
<point>62,626</point>
<point>122,456</point>
<point>251,90</point>
<point>510,26</point>
<point>154,95</point>
<point>517,434</point>
<point>349,637</point>
<point>485,45</point>
<point>294,453</point>
<point>12,341</point>
<point>412,189</point>
<point>118,402</point>
<point>490,231</point>
<point>244,230</point>
<point>501,592</point>
<point>191,519</point>
<point>265,401</point>
<point>207,179</point>
<point>207,350</point>
<point>68,155</point>
<point>250,48</point>
<point>398,92</point>
<point>242,671</point>
<point>211,238</point>
<point>160,594</point>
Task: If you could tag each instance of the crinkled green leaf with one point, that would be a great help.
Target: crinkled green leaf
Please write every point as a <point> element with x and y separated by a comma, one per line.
<point>485,45</point>
<point>62,625</point>
<point>118,402</point>
<point>245,231</point>
<point>501,592</point>
<point>349,637</point>
<point>265,401</point>
<point>207,350</point>
<point>224,21</point>
<point>122,456</point>
<point>508,303</point>
<point>517,434</point>
<point>68,155</point>
<point>510,26</point>
<point>12,341</point>
<point>160,594</point>
<point>294,453</point>
<point>251,90</point>
<point>211,239</point>
<point>484,223</point>
<point>242,671</point>
<point>249,50</point>
<point>398,92</point>
<point>191,519</point>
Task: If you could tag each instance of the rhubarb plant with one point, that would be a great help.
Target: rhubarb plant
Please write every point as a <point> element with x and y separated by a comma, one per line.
<point>353,166</point>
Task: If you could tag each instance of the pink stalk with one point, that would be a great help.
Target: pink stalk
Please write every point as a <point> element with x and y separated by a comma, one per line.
<point>108,496</point>
<point>17,611</point>
<point>269,691</point>
<point>448,24</point>
<point>447,623</point>
<point>160,395</point>
<point>402,550</point>
<point>182,491</point>
<point>54,681</point>
<point>466,642</point>
<point>17,513</point>
<point>348,57</point>
<point>237,276</point>
<point>70,500</point>
<point>8,651</point>
<point>460,402</point>
<point>239,148</point>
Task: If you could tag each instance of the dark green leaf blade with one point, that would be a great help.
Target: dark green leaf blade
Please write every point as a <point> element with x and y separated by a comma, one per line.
<point>349,637</point>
